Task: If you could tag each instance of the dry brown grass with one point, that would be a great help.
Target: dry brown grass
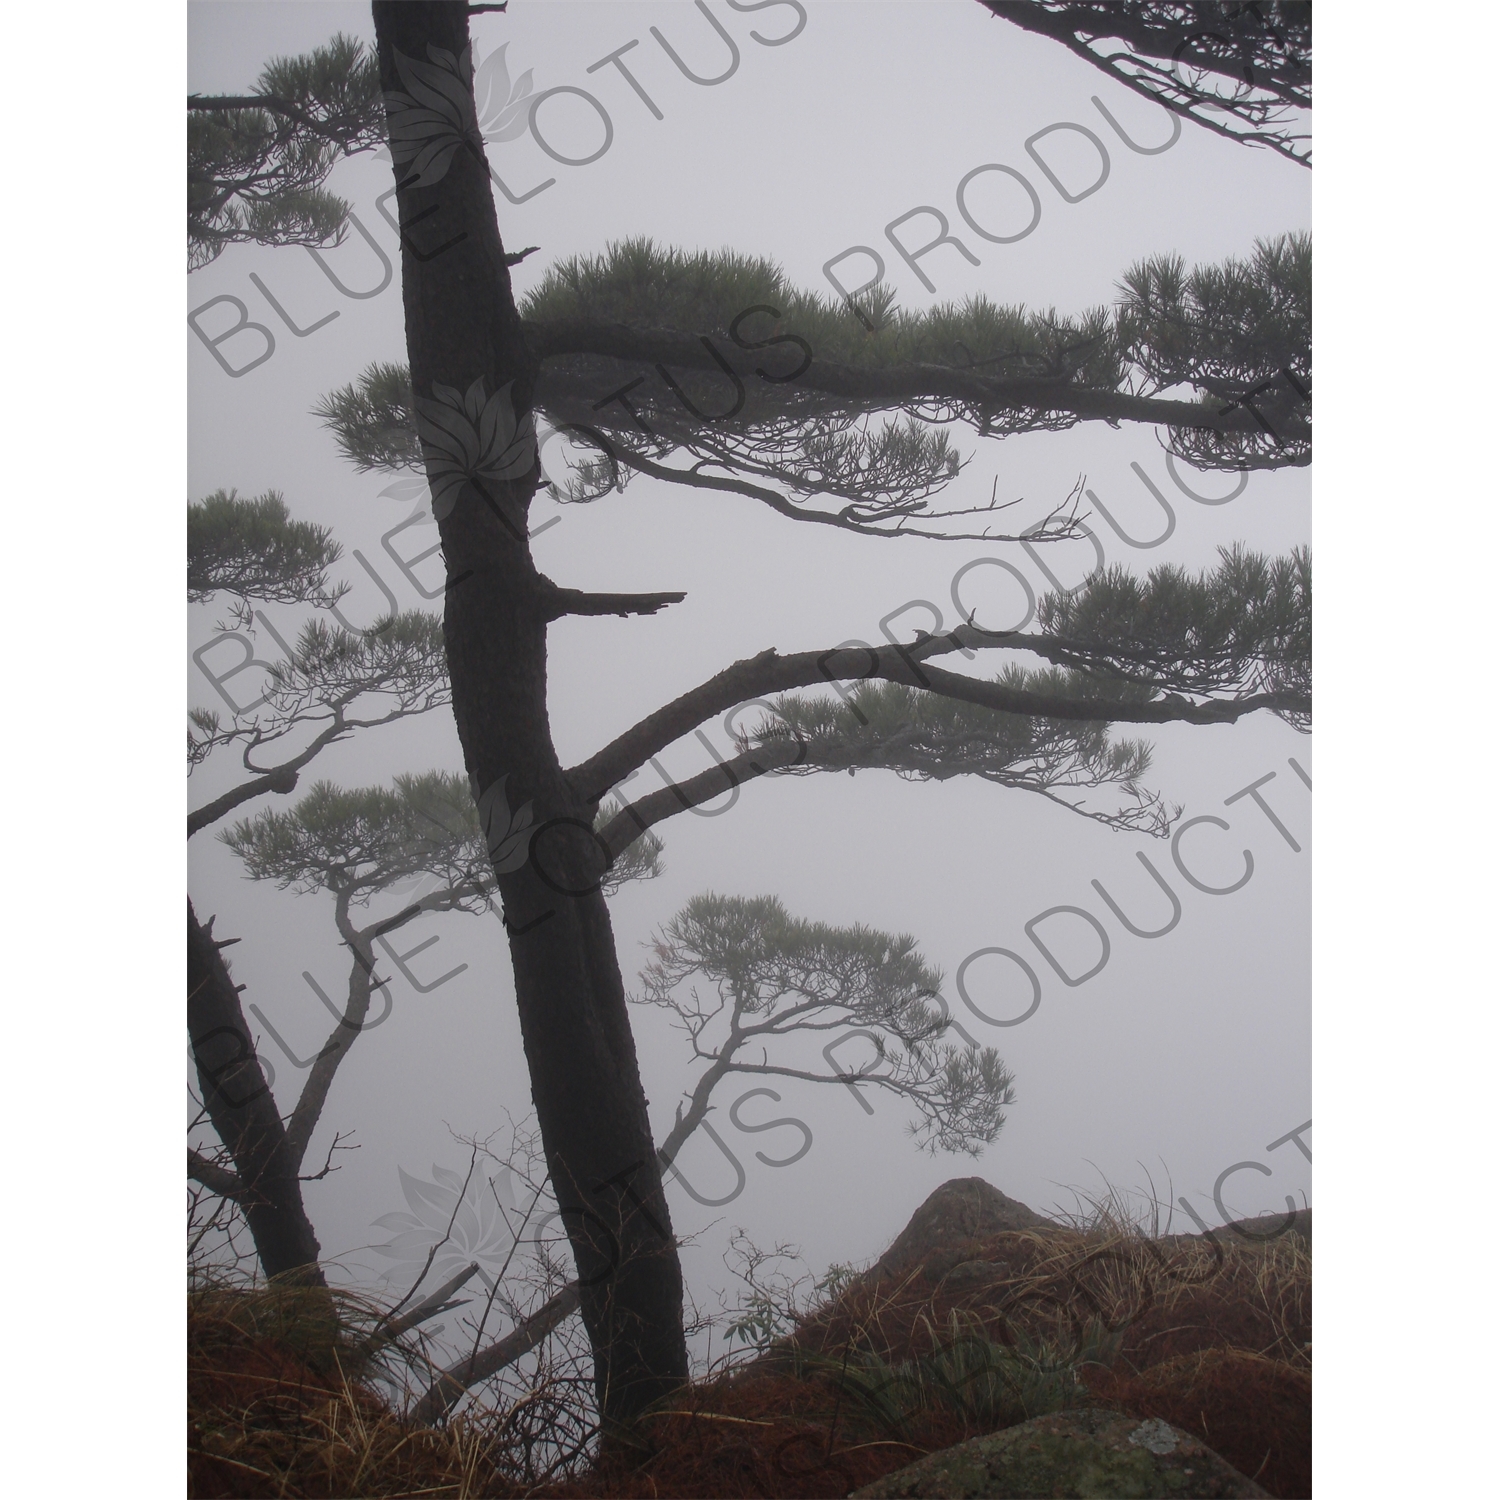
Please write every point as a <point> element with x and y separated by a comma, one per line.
<point>1213,1338</point>
<point>1155,1298</point>
<point>281,1402</point>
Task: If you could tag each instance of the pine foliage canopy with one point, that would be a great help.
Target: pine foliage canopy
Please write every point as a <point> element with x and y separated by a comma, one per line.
<point>1240,70</point>
<point>401,658</point>
<point>926,737</point>
<point>775,976</point>
<point>1244,627</point>
<point>357,842</point>
<point>257,162</point>
<point>856,405</point>
<point>254,550</point>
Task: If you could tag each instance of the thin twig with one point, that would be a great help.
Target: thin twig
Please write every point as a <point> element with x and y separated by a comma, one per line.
<point>432,1253</point>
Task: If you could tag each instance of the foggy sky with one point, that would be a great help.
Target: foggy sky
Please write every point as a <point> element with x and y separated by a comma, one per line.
<point>1186,1054</point>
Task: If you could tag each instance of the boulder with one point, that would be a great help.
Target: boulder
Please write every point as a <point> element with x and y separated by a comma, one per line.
<point>1091,1452</point>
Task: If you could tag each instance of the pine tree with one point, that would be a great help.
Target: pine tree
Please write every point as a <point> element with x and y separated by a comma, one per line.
<point>776,977</point>
<point>332,683</point>
<point>835,415</point>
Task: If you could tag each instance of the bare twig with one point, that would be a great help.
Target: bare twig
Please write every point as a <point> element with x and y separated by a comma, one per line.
<point>327,1167</point>
<point>432,1253</point>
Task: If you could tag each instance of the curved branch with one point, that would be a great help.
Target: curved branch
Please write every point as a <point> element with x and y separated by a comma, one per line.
<point>758,676</point>
<point>636,817</point>
<point>362,984</point>
<point>800,756</point>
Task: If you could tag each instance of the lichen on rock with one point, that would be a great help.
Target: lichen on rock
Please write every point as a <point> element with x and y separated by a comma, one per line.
<point>1090,1453</point>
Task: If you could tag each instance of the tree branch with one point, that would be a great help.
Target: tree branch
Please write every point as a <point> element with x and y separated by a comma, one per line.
<point>428,1307</point>
<point>1273,81</point>
<point>559,602</point>
<point>341,135</point>
<point>282,779</point>
<point>215,1178</point>
<point>450,1386</point>
<point>635,818</point>
<point>844,520</point>
<point>757,676</point>
<point>335,1145</point>
<point>894,385</point>
<point>362,984</point>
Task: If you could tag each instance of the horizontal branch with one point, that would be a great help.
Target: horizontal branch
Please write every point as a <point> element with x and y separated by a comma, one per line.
<point>215,1178</point>
<point>273,102</point>
<point>560,602</point>
<point>892,385</point>
<point>287,108</point>
<point>448,1389</point>
<point>757,676</point>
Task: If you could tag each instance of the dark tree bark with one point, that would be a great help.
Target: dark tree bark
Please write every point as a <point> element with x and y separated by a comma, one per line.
<point>462,325</point>
<point>265,1180</point>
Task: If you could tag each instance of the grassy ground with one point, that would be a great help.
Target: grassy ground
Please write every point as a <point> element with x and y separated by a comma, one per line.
<point>1213,1337</point>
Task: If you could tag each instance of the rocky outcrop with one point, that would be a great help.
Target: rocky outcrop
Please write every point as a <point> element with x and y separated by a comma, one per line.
<point>1269,1227</point>
<point>1077,1453</point>
<point>946,1237</point>
<point>946,1230</point>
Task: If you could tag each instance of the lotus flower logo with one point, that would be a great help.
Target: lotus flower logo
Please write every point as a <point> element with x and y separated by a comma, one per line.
<point>502,105</point>
<point>507,835</point>
<point>470,438</point>
<point>433,116</point>
<point>411,489</point>
<point>447,105</point>
<point>479,1232</point>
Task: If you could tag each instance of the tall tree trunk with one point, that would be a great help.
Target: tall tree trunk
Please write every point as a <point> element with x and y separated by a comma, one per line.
<point>462,326</point>
<point>244,1114</point>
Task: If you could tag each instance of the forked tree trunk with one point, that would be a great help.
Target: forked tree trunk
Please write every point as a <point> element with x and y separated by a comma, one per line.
<point>244,1114</point>
<point>462,326</point>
